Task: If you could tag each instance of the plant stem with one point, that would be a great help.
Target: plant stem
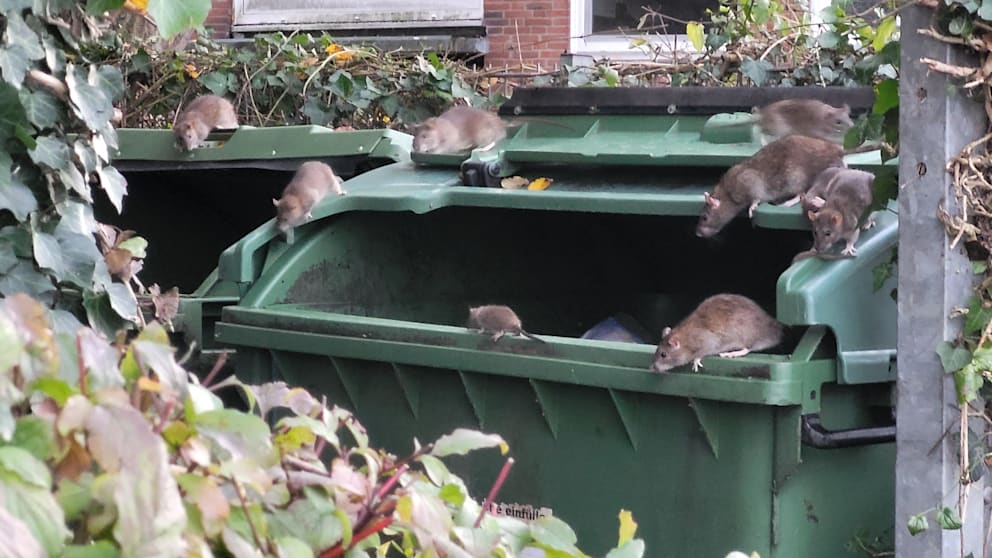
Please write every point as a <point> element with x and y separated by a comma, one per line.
<point>244,506</point>
<point>213,371</point>
<point>494,490</point>
<point>81,364</point>
<point>338,550</point>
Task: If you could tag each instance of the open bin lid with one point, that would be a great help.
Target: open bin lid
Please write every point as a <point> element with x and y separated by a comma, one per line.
<point>811,292</point>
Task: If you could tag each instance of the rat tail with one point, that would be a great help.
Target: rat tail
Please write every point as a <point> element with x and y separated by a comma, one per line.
<point>531,336</point>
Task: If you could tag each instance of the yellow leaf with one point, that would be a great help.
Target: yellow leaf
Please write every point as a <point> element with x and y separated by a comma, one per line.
<point>540,184</point>
<point>147,384</point>
<point>405,508</point>
<point>192,71</point>
<point>503,447</point>
<point>627,527</point>
<point>514,182</point>
<point>140,6</point>
<point>386,118</point>
<point>332,48</point>
<point>695,31</point>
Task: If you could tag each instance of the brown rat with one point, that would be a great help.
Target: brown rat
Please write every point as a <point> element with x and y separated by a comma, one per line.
<point>801,117</point>
<point>782,169</point>
<point>497,320</point>
<point>460,128</point>
<point>203,114</point>
<point>835,205</point>
<point>312,181</point>
<point>728,325</point>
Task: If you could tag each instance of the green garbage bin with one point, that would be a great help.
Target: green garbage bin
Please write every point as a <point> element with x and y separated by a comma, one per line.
<point>788,452</point>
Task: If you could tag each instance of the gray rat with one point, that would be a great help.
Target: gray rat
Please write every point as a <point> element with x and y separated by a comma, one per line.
<point>728,325</point>
<point>802,117</point>
<point>458,129</point>
<point>782,169</point>
<point>203,114</point>
<point>835,204</point>
<point>497,320</point>
<point>312,181</point>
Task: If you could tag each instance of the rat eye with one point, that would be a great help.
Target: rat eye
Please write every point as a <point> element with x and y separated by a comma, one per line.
<point>828,233</point>
<point>664,355</point>
<point>704,218</point>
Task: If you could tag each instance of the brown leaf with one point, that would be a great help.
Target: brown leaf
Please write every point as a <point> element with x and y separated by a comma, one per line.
<point>75,462</point>
<point>514,182</point>
<point>119,263</point>
<point>167,304</point>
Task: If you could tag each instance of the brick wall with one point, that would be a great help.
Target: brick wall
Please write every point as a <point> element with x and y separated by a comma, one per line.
<point>219,18</point>
<point>543,27</point>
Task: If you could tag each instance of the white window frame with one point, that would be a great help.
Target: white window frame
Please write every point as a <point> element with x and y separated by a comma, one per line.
<point>615,47</point>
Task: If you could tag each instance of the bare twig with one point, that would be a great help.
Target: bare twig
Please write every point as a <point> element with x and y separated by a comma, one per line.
<point>259,542</point>
<point>494,490</point>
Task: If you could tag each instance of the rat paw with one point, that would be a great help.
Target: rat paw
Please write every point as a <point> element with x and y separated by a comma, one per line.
<point>697,364</point>
<point>750,210</point>
<point>735,354</point>
<point>849,251</point>
<point>790,202</point>
<point>868,224</point>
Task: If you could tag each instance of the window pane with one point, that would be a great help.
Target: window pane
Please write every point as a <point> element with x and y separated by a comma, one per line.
<point>610,15</point>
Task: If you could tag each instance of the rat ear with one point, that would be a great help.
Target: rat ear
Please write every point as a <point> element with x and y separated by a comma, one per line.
<point>275,202</point>
<point>847,108</point>
<point>710,200</point>
<point>811,214</point>
<point>673,342</point>
<point>665,332</point>
<point>835,219</point>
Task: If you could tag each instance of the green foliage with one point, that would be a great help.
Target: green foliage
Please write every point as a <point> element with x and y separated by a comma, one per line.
<point>56,112</point>
<point>295,79</point>
<point>139,459</point>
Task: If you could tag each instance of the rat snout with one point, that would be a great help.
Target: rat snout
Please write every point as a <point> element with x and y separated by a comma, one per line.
<point>659,366</point>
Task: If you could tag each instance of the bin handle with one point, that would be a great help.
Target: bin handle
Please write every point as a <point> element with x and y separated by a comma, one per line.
<point>814,435</point>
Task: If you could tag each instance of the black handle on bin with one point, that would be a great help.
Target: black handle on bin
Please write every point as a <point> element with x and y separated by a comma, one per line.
<point>814,435</point>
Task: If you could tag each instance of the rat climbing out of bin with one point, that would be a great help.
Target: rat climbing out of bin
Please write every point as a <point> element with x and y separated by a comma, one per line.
<point>312,181</point>
<point>203,114</point>
<point>497,320</point>
<point>835,205</point>
<point>800,117</point>
<point>727,325</point>
<point>781,170</point>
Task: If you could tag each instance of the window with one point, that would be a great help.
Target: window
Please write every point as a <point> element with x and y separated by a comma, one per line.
<point>606,27</point>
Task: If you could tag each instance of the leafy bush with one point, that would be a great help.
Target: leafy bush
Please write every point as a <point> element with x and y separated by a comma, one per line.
<point>113,449</point>
<point>295,79</point>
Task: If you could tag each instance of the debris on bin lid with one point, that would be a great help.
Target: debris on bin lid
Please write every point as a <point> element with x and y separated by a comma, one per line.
<point>514,182</point>
<point>621,328</point>
<point>540,183</point>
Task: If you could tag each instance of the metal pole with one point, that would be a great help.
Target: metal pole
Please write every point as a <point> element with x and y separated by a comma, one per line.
<point>935,123</point>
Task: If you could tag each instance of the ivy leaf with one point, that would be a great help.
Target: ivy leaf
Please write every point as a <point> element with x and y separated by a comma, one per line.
<point>47,253</point>
<point>978,316</point>
<point>461,441</point>
<point>23,278</point>
<point>174,16</point>
<point>77,217</point>
<point>18,199</point>
<point>115,185</point>
<point>122,301</point>
<point>829,39</point>
<point>101,314</point>
<point>948,518</point>
<point>160,359</point>
<point>11,111</point>
<point>757,70</point>
<point>41,107</point>
<point>953,358</point>
<point>136,245</point>
<point>217,83</point>
<point>91,102</point>
<point>694,30</point>
<point>51,152</point>
<point>79,254</point>
<point>109,79</point>
<point>917,524</point>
